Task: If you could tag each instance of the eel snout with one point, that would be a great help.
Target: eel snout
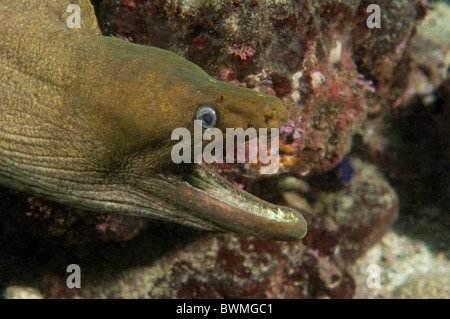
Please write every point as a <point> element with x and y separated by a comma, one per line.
<point>233,209</point>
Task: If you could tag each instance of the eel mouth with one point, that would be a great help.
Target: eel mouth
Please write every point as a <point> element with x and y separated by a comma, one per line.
<point>219,205</point>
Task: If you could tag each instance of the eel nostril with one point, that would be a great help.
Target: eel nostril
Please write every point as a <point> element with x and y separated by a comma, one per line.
<point>270,115</point>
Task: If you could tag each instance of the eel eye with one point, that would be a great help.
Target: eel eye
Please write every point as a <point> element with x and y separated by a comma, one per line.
<point>208,115</point>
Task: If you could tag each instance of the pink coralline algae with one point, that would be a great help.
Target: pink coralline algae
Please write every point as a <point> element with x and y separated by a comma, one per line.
<point>243,51</point>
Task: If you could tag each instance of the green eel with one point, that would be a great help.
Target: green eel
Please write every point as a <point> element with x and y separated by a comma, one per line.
<point>86,121</point>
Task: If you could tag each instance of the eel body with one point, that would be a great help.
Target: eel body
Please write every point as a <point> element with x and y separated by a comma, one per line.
<point>86,120</point>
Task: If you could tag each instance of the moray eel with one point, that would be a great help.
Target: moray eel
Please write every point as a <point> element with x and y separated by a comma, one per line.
<point>86,120</point>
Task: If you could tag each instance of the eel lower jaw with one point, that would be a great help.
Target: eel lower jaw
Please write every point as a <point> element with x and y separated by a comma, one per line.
<point>223,206</point>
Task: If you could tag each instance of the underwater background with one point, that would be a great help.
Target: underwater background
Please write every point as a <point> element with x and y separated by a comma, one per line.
<point>365,156</point>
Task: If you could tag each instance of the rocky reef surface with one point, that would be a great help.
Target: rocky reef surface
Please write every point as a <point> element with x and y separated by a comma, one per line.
<point>366,152</point>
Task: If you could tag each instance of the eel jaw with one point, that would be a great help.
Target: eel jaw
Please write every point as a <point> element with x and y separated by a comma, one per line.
<point>222,206</point>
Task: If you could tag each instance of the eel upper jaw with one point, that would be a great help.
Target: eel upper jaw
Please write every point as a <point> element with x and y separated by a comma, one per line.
<point>218,204</point>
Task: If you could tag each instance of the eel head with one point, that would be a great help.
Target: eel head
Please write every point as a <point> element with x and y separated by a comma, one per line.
<point>166,92</point>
